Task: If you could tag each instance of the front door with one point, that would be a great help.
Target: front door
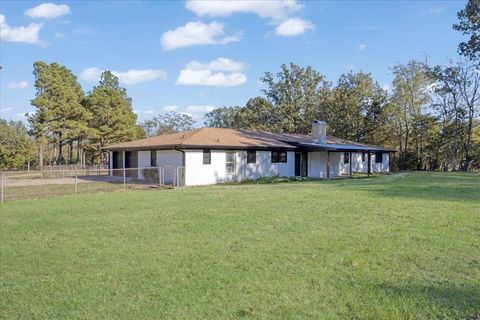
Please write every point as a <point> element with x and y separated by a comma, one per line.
<point>300,164</point>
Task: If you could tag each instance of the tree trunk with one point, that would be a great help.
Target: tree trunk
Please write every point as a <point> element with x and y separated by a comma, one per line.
<point>40,156</point>
<point>70,151</point>
<point>468,145</point>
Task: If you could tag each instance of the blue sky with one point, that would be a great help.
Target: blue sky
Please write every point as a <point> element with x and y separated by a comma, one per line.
<point>195,56</point>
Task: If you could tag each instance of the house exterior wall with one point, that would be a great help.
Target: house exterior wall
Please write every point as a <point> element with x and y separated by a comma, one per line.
<point>197,173</point>
<point>168,160</point>
<point>143,162</point>
<point>384,166</point>
<point>317,164</point>
<point>264,166</point>
<point>362,166</point>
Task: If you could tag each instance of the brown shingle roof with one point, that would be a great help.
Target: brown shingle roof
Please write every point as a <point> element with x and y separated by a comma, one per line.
<point>229,139</point>
<point>205,138</point>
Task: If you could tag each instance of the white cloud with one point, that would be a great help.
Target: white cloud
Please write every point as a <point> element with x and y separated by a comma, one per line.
<point>221,72</point>
<point>195,34</point>
<point>130,77</point>
<point>278,11</point>
<point>5,109</point>
<point>149,111</point>
<point>387,87</point>
<point>362,47</point>
<point>59,35</point>
<point>293,27</point>
<point>219,64</point>
<point>48,11</point>
<point>432,11</point>
<point>134,76</point>
<point>169,108</point>
<point>191,115</point>
<point>275,10</point>
<point>29,34</point>
<point>199,109</point>
<point>18,85</point>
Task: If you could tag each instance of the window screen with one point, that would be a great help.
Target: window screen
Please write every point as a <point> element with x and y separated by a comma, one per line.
<point>153,158</point>
<point>346,158</point>
<point>251,156</point>
<point>279,156</point>
<point>230,163</point>
<point>378,157</point>
<point>207,156</point>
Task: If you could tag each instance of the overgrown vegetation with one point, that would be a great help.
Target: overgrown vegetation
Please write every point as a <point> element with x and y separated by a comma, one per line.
<point>402,246</point>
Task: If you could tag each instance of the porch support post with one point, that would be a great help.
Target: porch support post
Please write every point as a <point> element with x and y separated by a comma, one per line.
<point>110,163</point>
<point>328,164</point>
<point>369,163</point>
<point>351,163</point>
<point>389,162</point>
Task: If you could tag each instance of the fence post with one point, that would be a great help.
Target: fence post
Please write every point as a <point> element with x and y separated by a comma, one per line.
<point>1,188</point>
<point>76,177</point>
<point>159,176</point>
<point>124,179</point>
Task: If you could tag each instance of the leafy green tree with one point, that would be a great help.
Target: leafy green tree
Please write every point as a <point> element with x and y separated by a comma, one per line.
<point>469,25</point>
<point>223,117</point>
<point>60,116</point>
<point>16,146</point>
<point>357,109</point>
<point>411,94</point>
<point>167,123</point>
<point>113,119</point>
<point>298,96</point>
<point>256,115</point>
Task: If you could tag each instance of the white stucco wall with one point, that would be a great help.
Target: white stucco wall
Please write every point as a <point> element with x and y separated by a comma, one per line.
<point>168,160</point>
<point>317,164</point>
<point>362,166</point>
<point>143,162</point>
<point>264,166</point>
<point>198,173</point>
<point>381,167</point>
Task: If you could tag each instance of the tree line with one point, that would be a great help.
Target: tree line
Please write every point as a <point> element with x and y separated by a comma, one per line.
<point>429,114</point>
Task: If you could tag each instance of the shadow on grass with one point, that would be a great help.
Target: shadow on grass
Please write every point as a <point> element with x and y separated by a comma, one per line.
<point>462,302</point>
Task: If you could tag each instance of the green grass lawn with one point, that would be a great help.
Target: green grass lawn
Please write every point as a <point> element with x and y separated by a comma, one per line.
<point>403,246</point>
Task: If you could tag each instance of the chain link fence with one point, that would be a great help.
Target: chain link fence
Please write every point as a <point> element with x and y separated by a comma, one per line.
<point>20,185</point>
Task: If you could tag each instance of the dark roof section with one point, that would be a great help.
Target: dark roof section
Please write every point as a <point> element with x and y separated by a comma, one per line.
<point>221,138</point>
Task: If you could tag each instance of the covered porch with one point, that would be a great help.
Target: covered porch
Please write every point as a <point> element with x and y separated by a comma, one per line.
<point>333,160</point>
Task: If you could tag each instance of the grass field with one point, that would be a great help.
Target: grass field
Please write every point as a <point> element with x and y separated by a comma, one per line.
<point>403,246</point>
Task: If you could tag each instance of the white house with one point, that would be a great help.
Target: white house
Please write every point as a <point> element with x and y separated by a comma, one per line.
<point>217,155</point>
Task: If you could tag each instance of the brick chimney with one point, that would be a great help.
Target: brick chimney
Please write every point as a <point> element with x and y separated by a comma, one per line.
<point>319,131</point>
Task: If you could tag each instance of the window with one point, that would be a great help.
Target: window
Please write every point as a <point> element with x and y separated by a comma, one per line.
<point>279,156</point>
<point>251,156</point>
<point>230,163</point>
<point>363,156</point>
<point>207,156</point>
<point>153,158</point>
<point>378,157</point>
<point>346,158</point>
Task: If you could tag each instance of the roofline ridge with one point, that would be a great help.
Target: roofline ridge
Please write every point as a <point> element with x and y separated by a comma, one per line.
<point>195,131</point>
